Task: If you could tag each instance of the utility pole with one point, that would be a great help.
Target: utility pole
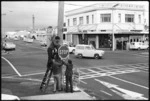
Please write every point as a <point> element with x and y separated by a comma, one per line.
<point>60,20</point>
<point>33,23</point>
<point>113,36</point>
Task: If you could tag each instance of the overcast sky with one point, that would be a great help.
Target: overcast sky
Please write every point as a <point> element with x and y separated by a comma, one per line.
<point>18,14</point>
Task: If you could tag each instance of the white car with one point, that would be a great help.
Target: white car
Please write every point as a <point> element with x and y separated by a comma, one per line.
<point>138,45</point>
<point>28,40</point>
<point>71,48</point>
<point>15,38</point>
<point>43,43</point>
<point>9,45</point>
<point>88,51</point>
<point>9,97</point>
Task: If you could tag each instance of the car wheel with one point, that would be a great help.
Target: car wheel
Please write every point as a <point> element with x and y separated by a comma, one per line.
<point>96,56</point>
<point>73,51</point>
<point>80,56</point>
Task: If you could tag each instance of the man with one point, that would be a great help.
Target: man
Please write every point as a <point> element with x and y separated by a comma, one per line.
<point>52,51</point>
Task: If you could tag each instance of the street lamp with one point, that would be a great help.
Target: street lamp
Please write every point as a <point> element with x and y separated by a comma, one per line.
<point>113,37</point>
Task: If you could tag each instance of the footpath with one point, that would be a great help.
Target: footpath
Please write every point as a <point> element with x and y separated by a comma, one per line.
<point>29,90</point>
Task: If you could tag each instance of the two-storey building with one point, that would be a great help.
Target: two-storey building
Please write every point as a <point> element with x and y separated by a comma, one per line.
<point>96,23</point>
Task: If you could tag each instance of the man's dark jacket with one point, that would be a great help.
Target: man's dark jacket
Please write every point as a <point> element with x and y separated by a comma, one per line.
<point>52,51</point>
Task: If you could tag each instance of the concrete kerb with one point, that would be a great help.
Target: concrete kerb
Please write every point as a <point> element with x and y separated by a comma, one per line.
<point>80,95</point>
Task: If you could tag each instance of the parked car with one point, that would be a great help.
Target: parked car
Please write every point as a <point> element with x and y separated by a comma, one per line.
<point>16,38</point>
<point>28,40</point>
<point>71,48</point>
<point>43,43</point>
<point>9,45</point>
<point>138,45</point>
<point>88,51</point>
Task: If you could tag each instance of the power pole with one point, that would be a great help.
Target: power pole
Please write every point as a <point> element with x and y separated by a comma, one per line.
<point>33,22</point>
<point>60,20</point>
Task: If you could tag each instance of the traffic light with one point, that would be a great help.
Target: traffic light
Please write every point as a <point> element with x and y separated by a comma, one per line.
<point>64,30</point>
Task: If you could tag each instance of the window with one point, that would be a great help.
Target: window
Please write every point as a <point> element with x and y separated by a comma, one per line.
<point>87,19</point>
<point>139,18</point>
<point>105,17</point>
<point>88,47</point>
<point>68,22</point>
<point>119,17</point>
<point>80,47</point>
<point>129,17</point>
<point>74,21</point>
<point>81,20</point>
<point>92,19</point>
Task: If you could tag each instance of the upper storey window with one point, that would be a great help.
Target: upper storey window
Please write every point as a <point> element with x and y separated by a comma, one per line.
<point>105,17</point>
<point>74,21</point>
<point>81,20</point>
<point>129,18</point>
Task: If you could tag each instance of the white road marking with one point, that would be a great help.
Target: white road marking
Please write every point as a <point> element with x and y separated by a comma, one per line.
<point>114,65</point>
<point>83,82</point>
<point>33,74</point>
<point>108,74</point>
<point>126,94</point>
<point>140,55</point>
<point>129,82</point>
<point>141,68</point>
<point>106,92</point>
<point>12,66</point>
<point>93,71</point>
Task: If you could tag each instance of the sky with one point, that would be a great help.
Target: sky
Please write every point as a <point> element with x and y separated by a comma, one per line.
<point>18,14</point>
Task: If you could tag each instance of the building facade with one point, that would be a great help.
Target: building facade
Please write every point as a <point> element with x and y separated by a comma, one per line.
<point>96,23</point>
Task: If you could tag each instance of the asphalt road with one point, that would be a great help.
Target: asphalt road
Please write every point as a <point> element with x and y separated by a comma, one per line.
<point>118,75</point>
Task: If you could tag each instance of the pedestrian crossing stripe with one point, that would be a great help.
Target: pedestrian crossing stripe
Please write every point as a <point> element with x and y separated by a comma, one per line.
<point>98,71</point>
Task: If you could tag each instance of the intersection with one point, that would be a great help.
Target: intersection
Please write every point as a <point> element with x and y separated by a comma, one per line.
<point>112,77</point>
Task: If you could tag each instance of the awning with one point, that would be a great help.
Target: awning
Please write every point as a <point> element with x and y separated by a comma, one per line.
<point>88,27</point>
<point>72,29</point>
<point>81,28</point>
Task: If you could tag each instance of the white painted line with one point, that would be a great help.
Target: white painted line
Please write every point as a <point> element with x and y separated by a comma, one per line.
<point>12,66</point>
<point>129,82</point>
<point>107,74</point>
<point>114,65</point>
<point>9,76</point>
<point>33,74</point>
<point>106,92</point>
<point>141,69</point>
<point>83,82</point>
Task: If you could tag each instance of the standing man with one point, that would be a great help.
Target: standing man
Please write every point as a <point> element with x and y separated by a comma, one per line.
<point>52,51</point>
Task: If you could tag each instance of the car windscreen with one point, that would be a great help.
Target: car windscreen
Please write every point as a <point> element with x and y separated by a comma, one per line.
<point>87,47</point>
<point>80,47</point>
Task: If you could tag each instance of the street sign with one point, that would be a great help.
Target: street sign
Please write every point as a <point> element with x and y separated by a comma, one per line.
<point>63,52</point>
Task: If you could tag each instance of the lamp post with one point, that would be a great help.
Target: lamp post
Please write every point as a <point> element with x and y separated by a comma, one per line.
<point>113,37</point>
